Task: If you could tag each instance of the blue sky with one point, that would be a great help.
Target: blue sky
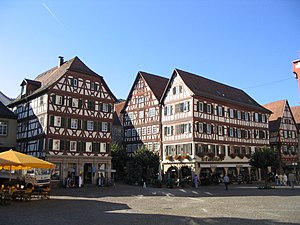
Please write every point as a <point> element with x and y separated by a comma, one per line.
<point>246,44</point>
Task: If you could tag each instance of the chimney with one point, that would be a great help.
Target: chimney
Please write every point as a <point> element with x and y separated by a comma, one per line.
<point>60,61</point>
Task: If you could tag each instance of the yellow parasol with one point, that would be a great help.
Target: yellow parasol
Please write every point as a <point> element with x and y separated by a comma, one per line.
<point>13,160</point>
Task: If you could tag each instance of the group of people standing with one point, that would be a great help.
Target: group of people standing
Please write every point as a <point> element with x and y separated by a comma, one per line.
<point>285,180</point>
<point>225,180</point>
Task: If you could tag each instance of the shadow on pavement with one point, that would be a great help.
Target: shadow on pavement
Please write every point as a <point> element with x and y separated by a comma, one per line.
<point>93,212</point>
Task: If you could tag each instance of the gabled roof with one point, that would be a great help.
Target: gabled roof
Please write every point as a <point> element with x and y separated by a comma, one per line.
<point>6,113</point>
<point>156,83</point>
<point>4,99</point>
<point>203,87</point>
<point>277,109</point>
<point>296,114</point>
<point>49,77</point>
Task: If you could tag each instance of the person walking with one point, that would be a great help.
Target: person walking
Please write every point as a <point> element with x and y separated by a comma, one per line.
<point>285,179</point>
<point>196,181</point>
<point>292,179</point>
<point>226,181</point>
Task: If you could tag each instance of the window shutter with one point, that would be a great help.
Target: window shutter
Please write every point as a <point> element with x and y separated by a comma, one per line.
<point>69,122</point>
<point>101,107</point>
<point>109,108</point>
<point>197,127</point>
<point>63,121</point>
<point>70,102</point>
<point>205,107</point>
<point>83,146</point>
<point>79,124</point>
<point>165,111</point>
<point>50,144</point>
<point>51,120</point>
<point>80,103</point>
<point>108,127</point>
<point>78,146</point>
<point>62,145</point>
<point>204,128</point>
<point>172,130</point>
<point>53,99</point>
<point>67,145</point>
<point>84,127</point>
<point>165,130</point>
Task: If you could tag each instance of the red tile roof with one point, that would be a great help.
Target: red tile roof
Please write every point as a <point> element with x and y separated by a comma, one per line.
<point>207,88</point>
<point>296,114</point>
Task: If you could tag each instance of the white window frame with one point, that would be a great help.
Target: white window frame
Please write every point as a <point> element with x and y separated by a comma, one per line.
<point>144,131</point>
<point>74,123</point>
<point>149,130</point>
<point>57,121</point>
<point>209,108</point>
<point>231,113</point>
<point>73,146</point>
<point>133,132</point>
<point>88,147</point>
<point>104,126</point>
<point>56,144</point>
<point>154,129</point>
<point>58,100</point>
<point>151,112</point>
<point>105,107</point>
<point>103,147</point>
<point>141,114</point>
<point>3,128</point>
<point>90,125</point>
<point>75,102</point>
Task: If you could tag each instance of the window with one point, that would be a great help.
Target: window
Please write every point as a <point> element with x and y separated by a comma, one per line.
<point>88,146</point>
<point>186,106</point>
<point>75,102</point>
<point>74,82</point>
<point>200,106</point>
<point>73,146</point>
<point>141,114</point>
<point>128,133</point>
<point>239,116</point>
<point>105,107</point>
<point>138,130</point>
<point>220,110</point>
<point>209,108</point>
<point>200,127</point>
<point>104,126</point>
<point>56,144</point>
<point>220,130</point>
<point>3,128</point>
<point>154,130</point>
<point>133,132</point>
<point>103,147</point>
<point>149,130</point>
<point>130,116</point>
<point>239,133</point>
<point>59,100</point>
<point>90,125</point>
<point>231,113</point>
<point>144,131</point>
<point>256,117</point>
<point>94,86</point>
<point>151,112</point>
<point>91,105</point>
<point>169,130</point>
<point>57,121</point>
<point>208,128</point>
<point>231,132</point>
<point>41,100</point>
<point>74,123</point>
<point>246,116</point>
<point>168,110</point>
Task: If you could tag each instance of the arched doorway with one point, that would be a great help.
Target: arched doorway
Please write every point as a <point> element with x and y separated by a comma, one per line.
<point>172,176</point>
<point>185,176</point>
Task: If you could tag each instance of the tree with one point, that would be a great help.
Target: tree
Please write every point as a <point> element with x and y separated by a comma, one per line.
<point>263,159</point>
<point>119,158</point>
<point>146,161</point>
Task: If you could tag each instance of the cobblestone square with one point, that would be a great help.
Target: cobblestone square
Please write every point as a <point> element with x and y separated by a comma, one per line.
<point>123,204</point>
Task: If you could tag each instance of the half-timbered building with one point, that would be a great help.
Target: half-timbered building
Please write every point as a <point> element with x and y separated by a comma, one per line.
<point>65,116</point>
<point>283,133</point>
<point>142,111</point>
<point>209,128</point>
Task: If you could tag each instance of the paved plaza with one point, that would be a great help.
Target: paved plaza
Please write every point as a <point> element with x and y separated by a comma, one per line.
<point>129,205</point>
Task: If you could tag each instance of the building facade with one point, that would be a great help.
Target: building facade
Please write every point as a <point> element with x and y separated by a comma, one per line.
<point>283,133</point>
<point>209,128</point>
<point>8,129</point>
<point>142,112</point>
<point>65,116</point>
